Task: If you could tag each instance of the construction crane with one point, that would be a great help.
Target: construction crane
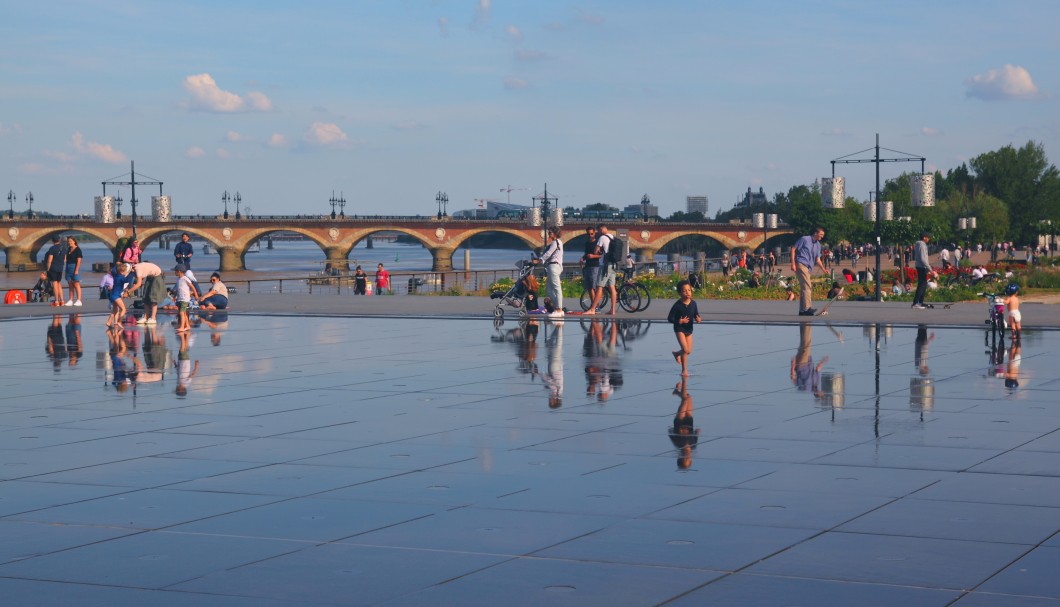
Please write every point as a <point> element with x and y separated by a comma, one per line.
<point>510,189</point>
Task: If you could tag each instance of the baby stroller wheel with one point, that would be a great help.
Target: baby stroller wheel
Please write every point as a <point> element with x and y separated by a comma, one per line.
<point>498,312</point>
<point>522,312</point>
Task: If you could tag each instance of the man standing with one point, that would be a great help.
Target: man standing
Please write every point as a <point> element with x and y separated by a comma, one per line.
<point>55,263</point>
<point>552,258</point>
<point>183,251</point>
<point>604,242</point>
<point>923,266</point>
<point>150,276</point>
<point>590,266</point>
<point>804,256</point>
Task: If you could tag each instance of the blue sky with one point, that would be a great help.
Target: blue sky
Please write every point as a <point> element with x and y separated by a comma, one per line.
<point>390,101</point>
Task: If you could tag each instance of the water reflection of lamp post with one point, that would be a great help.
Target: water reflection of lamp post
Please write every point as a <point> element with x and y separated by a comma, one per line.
<point>225,198</point>
<point>29,201</point>
<point>10,204</point>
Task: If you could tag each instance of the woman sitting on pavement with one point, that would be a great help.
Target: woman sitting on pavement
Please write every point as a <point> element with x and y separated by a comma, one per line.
<point>217,297</point>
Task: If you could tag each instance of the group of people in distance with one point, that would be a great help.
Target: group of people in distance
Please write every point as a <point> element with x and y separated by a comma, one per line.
<point>806,255</point>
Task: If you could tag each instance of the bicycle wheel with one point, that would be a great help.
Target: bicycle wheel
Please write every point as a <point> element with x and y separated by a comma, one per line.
<point>586,300</point>
<point>645,296</point>
<point>629,298</point>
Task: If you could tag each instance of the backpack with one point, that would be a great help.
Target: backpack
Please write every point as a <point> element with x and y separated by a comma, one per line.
<point>616,251</point>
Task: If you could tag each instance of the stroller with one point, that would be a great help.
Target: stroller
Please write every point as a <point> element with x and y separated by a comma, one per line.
<point>515,297</point>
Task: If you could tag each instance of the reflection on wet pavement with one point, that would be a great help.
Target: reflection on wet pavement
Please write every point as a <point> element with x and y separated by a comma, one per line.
<point>409,461</point>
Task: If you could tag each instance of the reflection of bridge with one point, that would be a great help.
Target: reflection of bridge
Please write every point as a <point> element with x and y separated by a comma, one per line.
<point>23,239</point>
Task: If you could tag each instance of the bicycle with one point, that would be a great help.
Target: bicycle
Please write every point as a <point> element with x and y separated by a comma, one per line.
<point>996,316</point>
<point>632,296</point>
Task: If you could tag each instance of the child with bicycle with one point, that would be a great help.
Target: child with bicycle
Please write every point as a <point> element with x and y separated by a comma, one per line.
<point>1012,310</point>
<point>683,315</point>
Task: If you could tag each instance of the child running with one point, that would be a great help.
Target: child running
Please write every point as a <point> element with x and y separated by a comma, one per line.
<point>682,316</point>
<point>122,279</point>
<point>1012,305</point>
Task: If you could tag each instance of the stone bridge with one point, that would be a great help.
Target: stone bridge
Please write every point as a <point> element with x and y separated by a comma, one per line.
<point>23,239</point>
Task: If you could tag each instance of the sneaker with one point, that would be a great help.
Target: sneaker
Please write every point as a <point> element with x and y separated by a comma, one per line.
<point>556,314</point>
<point>808,312</point>
<point>77,303</point>
<point>69,303</point>
<point>152,321</point>
<point>919,307</point>
<point>141,321</point>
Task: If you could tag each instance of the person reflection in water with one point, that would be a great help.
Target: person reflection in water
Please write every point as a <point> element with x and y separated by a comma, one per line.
<point>55,345</point>
<point>921,354</point>
<point>684,435</point>
<point>806,376</point>
<point>1012,371</point>
<point>602,372</point>
<point>553,375</point>
<point>186,370</point>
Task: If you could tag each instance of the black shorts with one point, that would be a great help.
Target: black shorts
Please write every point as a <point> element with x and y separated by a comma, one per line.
<point>55,275</point>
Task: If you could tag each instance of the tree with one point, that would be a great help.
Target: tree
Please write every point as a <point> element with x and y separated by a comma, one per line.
<point>1025,181</point>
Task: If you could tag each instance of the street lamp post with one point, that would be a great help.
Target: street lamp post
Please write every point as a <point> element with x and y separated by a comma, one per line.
<point>10,204</point>
<point>546,201</point>
<point>29,201</point>
<point>334,202</point>
<point>879,213</point>
<point>445,204</point>
<point>442,199</point>
<point>238,199</point>
<point>225,198</point>
<point>966,225</point>
<point>117,202</point>
<point>342,205</point>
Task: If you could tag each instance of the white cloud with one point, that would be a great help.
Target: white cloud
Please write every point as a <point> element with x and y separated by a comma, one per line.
<point>206,96</point>
<point>513,84</point>
<point>236,137</point>
<point>514,32</point>
<point>99,151</point>
<point>324,133</point>
<point>1007,82</point>
<point>929,131</point>
<point>277,140</point>
<point>443,27</point>
<point>223,153</point>
<point>528,55</point>
<point>482,11</point>
<point>195,152</point>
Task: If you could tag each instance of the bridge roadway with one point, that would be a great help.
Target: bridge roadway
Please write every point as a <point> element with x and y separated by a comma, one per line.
<point>23,239</point>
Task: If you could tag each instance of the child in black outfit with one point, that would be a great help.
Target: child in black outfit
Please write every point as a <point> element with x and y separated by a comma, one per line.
<point>682,316</point>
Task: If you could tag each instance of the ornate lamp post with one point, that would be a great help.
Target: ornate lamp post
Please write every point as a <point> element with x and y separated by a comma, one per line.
<point>29,201</point>
<point>342,205</point>
<point>334,202</point>
<point>833,189</point>
<point>441,198</point>
<point>117,202</point>
<point>10,204</point>
<point>225,198</point>
<point>238,199</point>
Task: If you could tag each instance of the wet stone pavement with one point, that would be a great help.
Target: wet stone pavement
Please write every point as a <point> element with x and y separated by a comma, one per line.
<point>351,461</point>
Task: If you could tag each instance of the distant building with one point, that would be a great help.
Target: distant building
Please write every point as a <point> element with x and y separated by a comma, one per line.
<point>752,198</point>
<point>504,209</point>
<point>642,209</point>
<point>696,204</point>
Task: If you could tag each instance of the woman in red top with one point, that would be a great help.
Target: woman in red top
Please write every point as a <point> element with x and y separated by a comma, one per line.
<point>382,280</point>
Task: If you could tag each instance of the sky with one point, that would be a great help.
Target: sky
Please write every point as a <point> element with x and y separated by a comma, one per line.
<point>388,102</point>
